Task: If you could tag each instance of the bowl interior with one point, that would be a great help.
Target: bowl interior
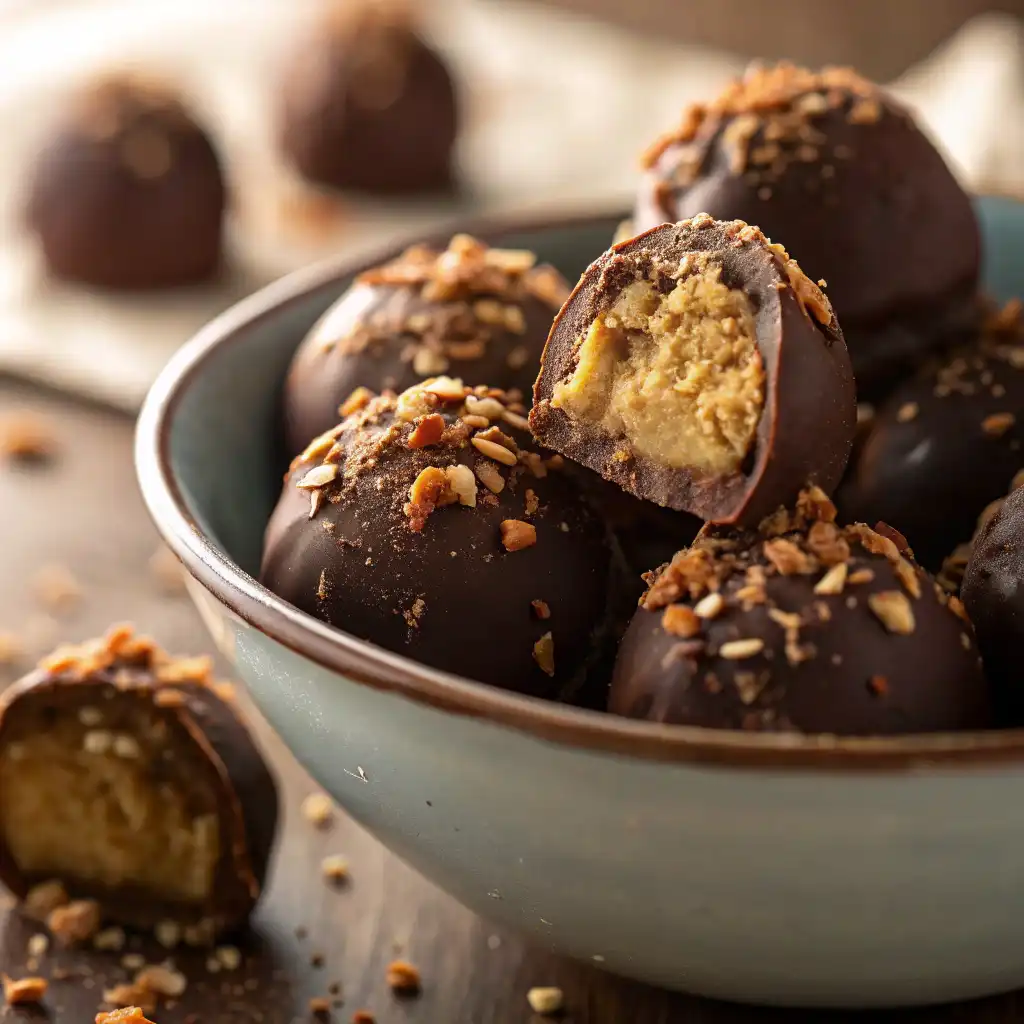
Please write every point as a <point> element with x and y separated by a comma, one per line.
<point>223,437</point>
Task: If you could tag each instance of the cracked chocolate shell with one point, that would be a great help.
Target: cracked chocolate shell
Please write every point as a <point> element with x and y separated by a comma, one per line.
<point>830,163</point>
<point>128,193</point>
<point>801,626</point>
<point>698,367</point>
<point>430,524</point>
<point>129,777</point>
<point>468,311</point>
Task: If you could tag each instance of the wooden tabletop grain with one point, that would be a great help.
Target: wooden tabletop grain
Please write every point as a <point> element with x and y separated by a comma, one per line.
<point>82,512</point>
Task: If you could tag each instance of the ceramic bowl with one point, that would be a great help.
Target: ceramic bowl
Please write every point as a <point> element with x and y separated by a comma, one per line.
<point>785,870</point>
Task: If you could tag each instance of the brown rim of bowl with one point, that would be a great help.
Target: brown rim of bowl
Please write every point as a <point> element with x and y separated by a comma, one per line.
<point>373,666</point>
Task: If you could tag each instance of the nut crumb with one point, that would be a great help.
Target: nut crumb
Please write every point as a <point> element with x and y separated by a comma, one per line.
<point>737,650</point>
<point>833,581</point>
<point>229,957</point>
<point>517,535</point>
<point>109,939</point>
<point>878,685</point>
<point>23,990</point>
<point>428,431</point>
<point>126,1015</point>
<point>334,868</point>
<point>37,945</point>
<point>681,621</point>
<point>318,810</point>
<point>907,412</point>
<point>893,610</point>
<point>998,423</point>
<point>76,922</point>
<point>359,399</point>
<point>320,1007</point>
<point>544,654</point>
<point>403,978</point>
<point>546,1001</point>
<point>26,437</point>
<point>363,1017</point>
<point>541,609</point>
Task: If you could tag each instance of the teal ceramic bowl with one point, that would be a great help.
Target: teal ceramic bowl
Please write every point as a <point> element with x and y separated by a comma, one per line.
<point>800,871</point>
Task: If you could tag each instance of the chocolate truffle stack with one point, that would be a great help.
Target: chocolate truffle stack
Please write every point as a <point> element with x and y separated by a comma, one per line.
<point>832,166</point>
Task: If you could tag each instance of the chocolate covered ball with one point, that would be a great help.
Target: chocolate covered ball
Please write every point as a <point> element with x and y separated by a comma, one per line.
<point>128,777</point>
<point>128,192</point>
<point>430,524</point>
<point>368,105</point>
<point>993,594</point>
<point>945,443</point>
<point>698,367</point>
<point>800,626</point>
<point>477,313</point>
<point>830,163</point>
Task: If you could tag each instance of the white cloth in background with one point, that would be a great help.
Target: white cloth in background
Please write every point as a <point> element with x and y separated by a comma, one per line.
<point>524,68</point>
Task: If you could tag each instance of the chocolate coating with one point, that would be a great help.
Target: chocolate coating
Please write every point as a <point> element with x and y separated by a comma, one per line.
<point>478,313</point>
<point>806,425</point>
<point>945,444</point>
<point>120,705</point>
<point>834,166</point>
<point>368,105</point>
<point>993,594</point>
<point>129,192</point>
<point>802,626</point>
<point>430,526</point>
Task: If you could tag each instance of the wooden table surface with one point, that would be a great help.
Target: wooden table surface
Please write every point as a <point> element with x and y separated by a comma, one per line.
<point>82,511</point>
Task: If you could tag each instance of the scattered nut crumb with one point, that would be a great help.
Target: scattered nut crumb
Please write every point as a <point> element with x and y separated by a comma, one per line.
<point>37,945</point>
<point>680,620</point>
<point>320,1007</point>
<point>517,535</point>
<point>403,978</point>
<point>737,650</point>
<point>541,609</point>
<point>44,898</point>
<point>77,921</point>
<point>133,961</point>
<point>23,990</point>
<point>878,685</point>
<point>544,654</point>
<point>126,1015</point>
<point>109,939</point>
<point>907,412</point>
<point>359,399</point>
<point>998,423</point>
<point>318,810</point>
<point>893,610</point>
<point>26,437</point>
<point>334,868</point>
<point>167,933</point>
<point>162,980</point>
<point>229,957</point>
<point>363,1017</point>
<point>546,1001</point>
<point>56,587</point>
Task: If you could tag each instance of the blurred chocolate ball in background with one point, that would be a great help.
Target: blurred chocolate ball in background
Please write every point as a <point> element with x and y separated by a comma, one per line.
<point>128,192</point>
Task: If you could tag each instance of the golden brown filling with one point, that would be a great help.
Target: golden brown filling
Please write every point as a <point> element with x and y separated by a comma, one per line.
<point>87,805</point>
<point>677,375</point>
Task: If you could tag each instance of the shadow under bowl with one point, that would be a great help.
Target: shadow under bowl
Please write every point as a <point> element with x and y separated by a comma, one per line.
<point>788,870</point>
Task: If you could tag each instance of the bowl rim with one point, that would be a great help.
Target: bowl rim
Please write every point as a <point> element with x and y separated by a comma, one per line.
<point>369,665</point>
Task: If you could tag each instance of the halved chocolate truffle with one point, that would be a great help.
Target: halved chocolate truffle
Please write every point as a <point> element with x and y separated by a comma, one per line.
<point>368,105</point>
<point>428,523</point>
<point>993,594</point>
<point>129,777</point>
<point>945,443</point>
<point>800,626</point>
<point>832,164</point>
<point>478,313</point>
<point>698,367</point>
<point>129,192</point>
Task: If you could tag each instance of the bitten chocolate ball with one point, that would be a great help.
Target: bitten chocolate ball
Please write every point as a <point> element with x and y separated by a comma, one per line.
<point>428,523</point>
<point>699,368</point>
<point>128,776</point>
<point>993,594</point>
<point>368,105</point>
<point>945,443</point>
<point>800,626</point>
<point>477,313</point>
<point>833,165</point>
<point>129,191</point>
